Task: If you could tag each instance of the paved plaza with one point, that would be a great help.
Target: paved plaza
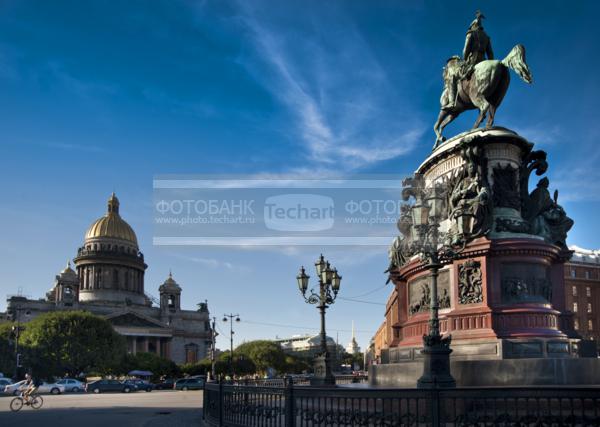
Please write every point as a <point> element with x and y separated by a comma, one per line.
<point>158,408</point>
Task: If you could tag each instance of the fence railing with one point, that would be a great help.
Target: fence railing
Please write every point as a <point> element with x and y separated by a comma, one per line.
<point>299,380</point>
<point>290,406</point>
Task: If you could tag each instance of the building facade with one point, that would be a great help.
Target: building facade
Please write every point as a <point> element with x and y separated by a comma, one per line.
<point>108,280</point>
<point>582,290</point>
<point>309,346</point>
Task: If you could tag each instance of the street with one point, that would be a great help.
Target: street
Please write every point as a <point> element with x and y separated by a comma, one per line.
<point>158,408</point>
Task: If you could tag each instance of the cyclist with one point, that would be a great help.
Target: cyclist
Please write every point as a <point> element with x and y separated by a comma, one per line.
<point>32,385</point>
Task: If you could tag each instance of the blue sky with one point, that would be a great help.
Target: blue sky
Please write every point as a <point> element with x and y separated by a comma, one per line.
<point>99,96</point>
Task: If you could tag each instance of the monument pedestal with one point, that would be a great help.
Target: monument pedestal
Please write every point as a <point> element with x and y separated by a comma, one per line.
<point>501,296</point>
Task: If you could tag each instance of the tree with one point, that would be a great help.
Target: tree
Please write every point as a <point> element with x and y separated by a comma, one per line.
<point>353,360</point>
<point>71,342</point>
<point>296,364</point>
<point>7,349</point>
<point>159,366</point>
<point>199,368</point>
<point>265,354</point>
<point>242,364</point>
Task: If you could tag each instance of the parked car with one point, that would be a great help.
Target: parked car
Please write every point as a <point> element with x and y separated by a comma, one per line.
<point>52,388</point>
<point>6,381</point>
<point>71,384</point>
<point>165,384</point>
<point>15,388</point>
<point>189,384</point>
<point>140,384</point>
<point>100,386</point>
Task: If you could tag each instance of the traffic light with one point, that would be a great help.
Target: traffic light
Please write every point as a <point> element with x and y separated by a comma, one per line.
<point>19,360</point>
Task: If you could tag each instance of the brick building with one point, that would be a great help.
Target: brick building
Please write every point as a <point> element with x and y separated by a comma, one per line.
<point>582,282</point>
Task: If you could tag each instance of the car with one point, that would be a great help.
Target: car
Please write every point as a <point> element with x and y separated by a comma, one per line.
<point>71,384</point>
<point>15,388</point>
<point>189,384</point>
<point>101,386</point>
<point>165,384</point>
<point>52,388</point>
<point>140,384</point>
<point>4,382</point>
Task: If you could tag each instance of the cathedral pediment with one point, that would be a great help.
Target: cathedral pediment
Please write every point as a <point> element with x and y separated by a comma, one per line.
<point>130,319</point>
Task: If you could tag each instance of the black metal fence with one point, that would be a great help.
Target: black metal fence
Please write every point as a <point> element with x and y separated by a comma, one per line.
<point>300,380</point>
<point>253,405</point>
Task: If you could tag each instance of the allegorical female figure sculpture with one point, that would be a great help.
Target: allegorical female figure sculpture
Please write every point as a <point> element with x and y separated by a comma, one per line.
<point>468,205</point>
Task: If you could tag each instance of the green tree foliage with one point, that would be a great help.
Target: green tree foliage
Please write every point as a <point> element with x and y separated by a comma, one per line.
<point>159,366</point>
<point>243,364</point>
<point>265,354</point>
<point>69,342</point>
<point>7,349</point>
<point>353,360</point>
<point>199,368</point>
<point>297,365</point>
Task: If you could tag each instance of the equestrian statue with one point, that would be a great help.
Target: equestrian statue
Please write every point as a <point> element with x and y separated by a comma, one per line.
<point>477,80</point>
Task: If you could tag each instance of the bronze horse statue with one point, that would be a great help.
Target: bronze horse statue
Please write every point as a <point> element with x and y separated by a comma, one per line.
<point>484,89</point>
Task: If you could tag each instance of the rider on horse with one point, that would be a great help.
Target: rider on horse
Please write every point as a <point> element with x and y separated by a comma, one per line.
<point>477,46</point>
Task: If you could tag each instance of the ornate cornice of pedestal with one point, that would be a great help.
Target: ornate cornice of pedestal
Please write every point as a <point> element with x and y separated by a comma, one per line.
<point>450,149</point>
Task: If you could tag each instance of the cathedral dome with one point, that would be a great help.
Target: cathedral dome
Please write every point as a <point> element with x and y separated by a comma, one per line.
<point>111,225</point>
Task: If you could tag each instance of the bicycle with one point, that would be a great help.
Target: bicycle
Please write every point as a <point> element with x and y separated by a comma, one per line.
<point>35,401</point>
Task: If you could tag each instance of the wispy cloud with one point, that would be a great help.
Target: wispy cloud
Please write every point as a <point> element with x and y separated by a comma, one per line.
<point>85,89</point>
<point>213,263</point>
<point>75,147</point>
<point>578,178</point>
<point>334,88</point>
<point>178,106</point>
<point>543,134</point>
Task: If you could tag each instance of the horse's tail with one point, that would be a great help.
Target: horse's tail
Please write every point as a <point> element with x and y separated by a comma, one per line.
<point>515,60</point>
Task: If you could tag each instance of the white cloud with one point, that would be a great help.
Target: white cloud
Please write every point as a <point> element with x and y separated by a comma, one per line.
<point>334,88</point>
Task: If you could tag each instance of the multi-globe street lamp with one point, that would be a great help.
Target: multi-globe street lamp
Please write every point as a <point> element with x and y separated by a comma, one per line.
<point>230,317</point>
<point>427,241</point>
<point>329,286</point>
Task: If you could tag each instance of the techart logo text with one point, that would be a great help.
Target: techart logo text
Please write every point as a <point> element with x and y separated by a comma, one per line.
<point>299,212</point>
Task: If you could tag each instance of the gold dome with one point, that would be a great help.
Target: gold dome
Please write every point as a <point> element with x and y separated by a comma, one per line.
<point>111,225</point>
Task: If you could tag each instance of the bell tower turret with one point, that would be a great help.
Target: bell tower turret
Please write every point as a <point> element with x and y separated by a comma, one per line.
<point>170,295</point>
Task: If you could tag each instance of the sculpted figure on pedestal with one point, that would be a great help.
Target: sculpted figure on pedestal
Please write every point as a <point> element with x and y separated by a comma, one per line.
<point>548,219</point>
<point>476,82</point>
<point>469,201</point>
<point>478,45</point>
<point>399,253</point>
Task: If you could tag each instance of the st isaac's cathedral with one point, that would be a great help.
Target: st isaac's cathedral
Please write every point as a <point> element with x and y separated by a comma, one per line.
<point>108,281</point>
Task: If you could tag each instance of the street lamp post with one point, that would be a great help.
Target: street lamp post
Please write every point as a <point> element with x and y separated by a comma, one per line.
<point>213,348</point>
<point>17,333</point>
<point>427,242</point>
<point>329,286</point>
<point>231,316</point>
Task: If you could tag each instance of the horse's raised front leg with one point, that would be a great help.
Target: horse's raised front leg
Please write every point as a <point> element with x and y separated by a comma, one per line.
<point>449,118</point>
<point>437,128</point>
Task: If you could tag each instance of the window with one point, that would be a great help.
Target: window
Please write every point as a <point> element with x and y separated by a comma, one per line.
<point>587,274</point>
<point>574,307</point>
<point>590,325</point>
<point>574,291</point>
<point>573,274</point>
<point>576,324</point>
<point>589,307</point>
<point>588,291</point>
